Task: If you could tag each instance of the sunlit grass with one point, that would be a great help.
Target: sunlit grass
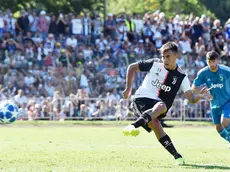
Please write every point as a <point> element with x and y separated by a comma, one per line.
<point>102,148</point>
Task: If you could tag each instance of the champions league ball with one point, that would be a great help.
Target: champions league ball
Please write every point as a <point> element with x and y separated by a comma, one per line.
<point>8,112</point>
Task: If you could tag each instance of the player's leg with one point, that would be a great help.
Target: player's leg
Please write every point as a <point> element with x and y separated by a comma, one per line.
<point>154,109</point>
<point>226,117</point>
<point>226,120</point>
<point>158,109</point>
<point>226,125</point>
<point>216,116</point>
<point>165,140</point>
<point>140,107</point>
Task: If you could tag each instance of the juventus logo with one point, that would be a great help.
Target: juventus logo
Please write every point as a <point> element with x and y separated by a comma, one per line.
<point>174,80</point>
<point>158,71</point>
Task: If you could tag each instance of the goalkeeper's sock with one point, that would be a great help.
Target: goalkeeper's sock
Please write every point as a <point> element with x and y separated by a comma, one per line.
<point>224,134</point>
<point>168,145</point>
<point>141,121</point>
<point>228,128</point>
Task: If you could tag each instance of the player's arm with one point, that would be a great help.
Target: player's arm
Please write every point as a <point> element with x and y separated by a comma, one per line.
<point>195,89</point>
<point>198,81</point>
<point>131,71</point>
<point>228,72</point>
<point>189,94</point>
<point>199,90</point>
<point>192,97</point>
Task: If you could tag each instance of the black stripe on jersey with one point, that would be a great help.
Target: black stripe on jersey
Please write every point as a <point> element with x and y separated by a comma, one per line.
<point>173,80</point>
<point>146,65</point>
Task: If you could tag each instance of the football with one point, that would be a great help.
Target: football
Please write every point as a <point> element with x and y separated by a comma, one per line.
<point>8,112</point>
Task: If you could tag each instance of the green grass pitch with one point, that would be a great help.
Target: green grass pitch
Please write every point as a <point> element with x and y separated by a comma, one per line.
<point>102,148</point>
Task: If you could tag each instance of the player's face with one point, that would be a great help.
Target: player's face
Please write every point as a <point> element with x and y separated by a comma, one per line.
<point>213,65</point>
<point>169,59</point>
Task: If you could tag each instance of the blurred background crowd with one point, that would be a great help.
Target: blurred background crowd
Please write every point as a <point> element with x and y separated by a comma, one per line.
<point>57,58</point>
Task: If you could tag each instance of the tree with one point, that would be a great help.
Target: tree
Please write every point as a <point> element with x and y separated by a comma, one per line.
<point>54,6</point>
<point>215,8</point>
<point>218,7</point>
<point>131,6</point>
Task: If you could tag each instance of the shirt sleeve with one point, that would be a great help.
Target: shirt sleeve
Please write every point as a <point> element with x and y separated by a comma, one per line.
<point>199,80</point>
<point>228,72</point>
<point>185,85</point>
<point>146,65</point>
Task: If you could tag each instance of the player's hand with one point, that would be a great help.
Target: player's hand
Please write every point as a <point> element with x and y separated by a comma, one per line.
<point>204,90</point>
<point>206,93</point>
<point>208,96</point>
<point>126,93</point>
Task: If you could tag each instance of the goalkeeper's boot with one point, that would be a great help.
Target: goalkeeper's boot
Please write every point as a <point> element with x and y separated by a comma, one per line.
<point>130,130</point>
<point>180,161</point>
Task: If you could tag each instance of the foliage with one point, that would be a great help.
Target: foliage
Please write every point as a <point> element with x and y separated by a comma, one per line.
<point>215,8</point>
<point>173,7</point>
<point>219,7</point>
<point>131,6</point>
<point>54,6</point>
<point>185,7</point>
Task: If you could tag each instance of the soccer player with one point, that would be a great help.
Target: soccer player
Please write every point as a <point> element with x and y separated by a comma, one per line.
<point>155,96</point>
<point>217,78</point>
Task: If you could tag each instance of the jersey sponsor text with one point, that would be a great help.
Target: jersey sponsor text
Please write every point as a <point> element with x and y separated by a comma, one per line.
<point>161,86</point>
<point>217,85</point>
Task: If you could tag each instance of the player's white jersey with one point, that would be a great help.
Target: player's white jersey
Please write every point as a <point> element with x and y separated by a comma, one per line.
<point>160,83</point>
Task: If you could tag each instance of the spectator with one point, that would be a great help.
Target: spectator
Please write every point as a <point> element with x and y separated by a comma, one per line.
<point>49,89</point>
<point>199,63</point>
<point>206,28</point>
<point>68,52</point>
<point>77,26</point>
<point>33,19</point>
<point>71,42</point>
<point>61,24</point>
<point>63,59</point>
<point>11,24</point>
<point>20,99</point>
<point>110,26</point>
<point>23,23</point>
<point>130,28</point>
<point>57,103</point>
<point>43,25</point>
<point>122,31</point>
<point>86,24</point>
<point>2,21</point>
<point>97,27</point>
<point>139,25</point>
<point>53,28</point>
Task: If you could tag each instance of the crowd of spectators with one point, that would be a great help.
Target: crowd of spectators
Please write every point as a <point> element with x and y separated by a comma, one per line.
<point>42,54</point>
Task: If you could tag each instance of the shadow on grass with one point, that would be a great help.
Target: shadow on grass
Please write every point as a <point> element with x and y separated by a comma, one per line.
<point>207,166</point>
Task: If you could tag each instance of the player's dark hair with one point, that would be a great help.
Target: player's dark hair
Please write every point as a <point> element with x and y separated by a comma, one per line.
<point>169,46</point>
<point>212,55</point>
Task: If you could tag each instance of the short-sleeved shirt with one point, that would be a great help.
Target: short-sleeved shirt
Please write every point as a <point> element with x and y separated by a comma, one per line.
<point>219,81</point>
<point>161,83</point>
